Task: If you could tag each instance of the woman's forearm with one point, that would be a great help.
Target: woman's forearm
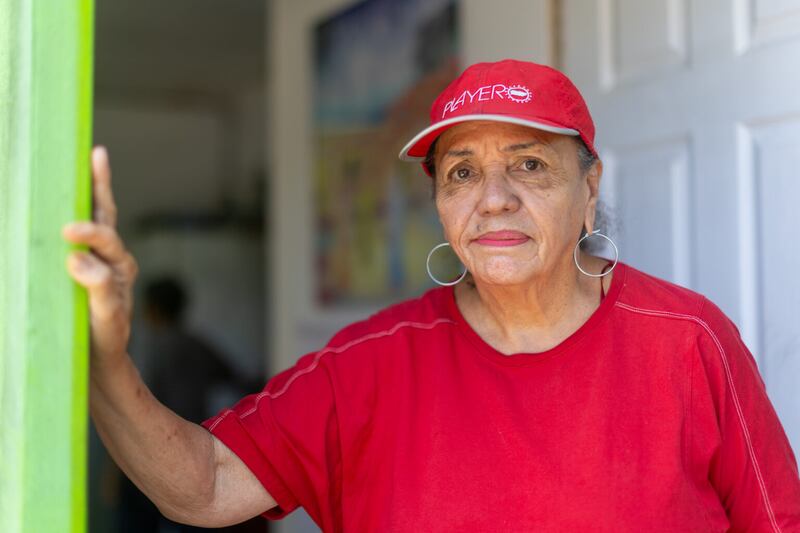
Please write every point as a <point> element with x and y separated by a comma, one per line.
<point>187,473</point>
<point>170,459</point>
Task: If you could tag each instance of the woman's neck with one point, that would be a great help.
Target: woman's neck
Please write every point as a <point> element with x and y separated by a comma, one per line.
<point>536,316</point>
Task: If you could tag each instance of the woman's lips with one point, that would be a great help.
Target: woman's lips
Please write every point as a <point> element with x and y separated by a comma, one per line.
<point>502,238</point>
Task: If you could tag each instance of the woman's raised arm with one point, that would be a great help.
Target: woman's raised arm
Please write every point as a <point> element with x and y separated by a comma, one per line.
<point>189,474</point>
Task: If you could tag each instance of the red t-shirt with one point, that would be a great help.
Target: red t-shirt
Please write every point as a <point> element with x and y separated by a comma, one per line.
<point>652,416</point>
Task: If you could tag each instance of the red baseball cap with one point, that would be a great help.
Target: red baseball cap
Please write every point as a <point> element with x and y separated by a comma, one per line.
<point>518,92</point>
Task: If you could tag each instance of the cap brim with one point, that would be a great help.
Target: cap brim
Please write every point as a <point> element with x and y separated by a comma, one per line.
<point>417,148</point>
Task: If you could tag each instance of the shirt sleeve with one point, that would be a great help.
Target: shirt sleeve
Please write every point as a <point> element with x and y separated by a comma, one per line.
<point>752,468</point>
<point>288,436</point>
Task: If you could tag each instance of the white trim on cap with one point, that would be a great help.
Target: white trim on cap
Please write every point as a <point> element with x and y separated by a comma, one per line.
<point>464,118</point>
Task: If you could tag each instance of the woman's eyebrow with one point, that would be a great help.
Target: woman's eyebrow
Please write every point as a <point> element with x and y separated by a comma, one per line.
<point>520,146</point>
<point>465,152</point>
<point>460,153</point>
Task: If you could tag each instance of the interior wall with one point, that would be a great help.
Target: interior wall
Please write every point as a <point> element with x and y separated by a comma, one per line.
<point>158,152</point>
<point>194,158</point>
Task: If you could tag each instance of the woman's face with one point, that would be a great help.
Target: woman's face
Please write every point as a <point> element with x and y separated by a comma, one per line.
<point>512,199</point>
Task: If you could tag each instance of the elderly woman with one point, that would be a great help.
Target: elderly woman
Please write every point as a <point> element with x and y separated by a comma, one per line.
<point>545,390</point>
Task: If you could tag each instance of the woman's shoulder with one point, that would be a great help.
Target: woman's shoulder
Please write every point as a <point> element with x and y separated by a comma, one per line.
<point>647,292</point>
<point>422,313</point>
<point>645,295</point>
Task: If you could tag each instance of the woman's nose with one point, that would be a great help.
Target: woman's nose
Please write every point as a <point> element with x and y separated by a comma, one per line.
<point>498,195</point>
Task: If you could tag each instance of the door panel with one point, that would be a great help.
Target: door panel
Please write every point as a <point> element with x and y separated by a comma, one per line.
<point>641,39</point>
<point>652,194</point>
<point>760,22</point>
<point>715,210</point>
<point>774,177</point>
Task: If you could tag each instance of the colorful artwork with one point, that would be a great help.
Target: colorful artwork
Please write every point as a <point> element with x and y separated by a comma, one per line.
<point>378,67</point>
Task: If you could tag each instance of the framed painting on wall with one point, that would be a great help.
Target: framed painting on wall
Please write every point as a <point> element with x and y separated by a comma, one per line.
<point>377,67</point>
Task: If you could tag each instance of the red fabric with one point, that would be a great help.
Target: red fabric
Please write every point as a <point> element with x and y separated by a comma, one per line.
<point>510,88</point>
<point>651,417</point>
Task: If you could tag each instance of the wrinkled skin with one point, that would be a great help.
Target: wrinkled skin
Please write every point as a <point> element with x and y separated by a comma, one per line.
<point>491,177</point>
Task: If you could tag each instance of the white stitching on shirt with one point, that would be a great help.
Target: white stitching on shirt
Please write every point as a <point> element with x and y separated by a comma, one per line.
<point>343,348</point>
<point>219,419</point>
<point>734,394</point>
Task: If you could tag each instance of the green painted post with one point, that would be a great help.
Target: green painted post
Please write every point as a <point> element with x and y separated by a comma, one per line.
<point>45,136</point>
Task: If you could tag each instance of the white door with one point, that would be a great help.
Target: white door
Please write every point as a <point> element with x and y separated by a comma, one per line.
<point>697,107</point>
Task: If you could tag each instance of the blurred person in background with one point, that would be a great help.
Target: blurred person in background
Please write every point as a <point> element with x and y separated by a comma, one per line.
<point>186,368</point>
<point>544,389</point>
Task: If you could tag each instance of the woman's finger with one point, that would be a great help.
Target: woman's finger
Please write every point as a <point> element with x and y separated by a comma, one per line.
<point>101,238</point>
<point>105,210</point>
<point>88,270</point>
<point>97,277</point>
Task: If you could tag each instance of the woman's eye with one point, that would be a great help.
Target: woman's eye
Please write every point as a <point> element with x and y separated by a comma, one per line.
<point>532,164</point>
<point>462,173</point>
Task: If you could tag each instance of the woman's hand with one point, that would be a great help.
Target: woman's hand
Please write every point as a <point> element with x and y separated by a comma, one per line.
<point>191,476</point>
<point>108,271</point>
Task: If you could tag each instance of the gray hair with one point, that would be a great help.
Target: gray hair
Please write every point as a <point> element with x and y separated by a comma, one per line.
<point>585,161</point>
<point>604,219</point>
<point>585,156</point>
